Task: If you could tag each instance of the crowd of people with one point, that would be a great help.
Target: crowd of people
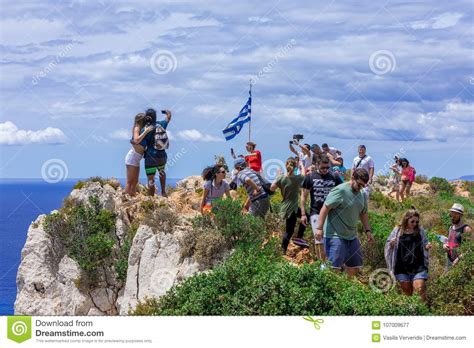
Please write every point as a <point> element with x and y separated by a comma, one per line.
<point>336,205</point>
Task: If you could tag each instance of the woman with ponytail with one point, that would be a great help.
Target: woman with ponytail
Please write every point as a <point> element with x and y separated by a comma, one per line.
<point>289,185</point>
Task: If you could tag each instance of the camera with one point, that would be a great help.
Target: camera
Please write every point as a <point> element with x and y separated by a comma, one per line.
<point>163,112</point>
<point>298,137</point>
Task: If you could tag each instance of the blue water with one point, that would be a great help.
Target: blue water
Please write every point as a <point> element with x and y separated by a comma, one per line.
<point>21,201</point>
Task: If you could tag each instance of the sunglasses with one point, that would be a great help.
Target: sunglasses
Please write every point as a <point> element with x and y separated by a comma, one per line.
<point>222,171</point>
<point>324,168</point>
<point>414,222</point>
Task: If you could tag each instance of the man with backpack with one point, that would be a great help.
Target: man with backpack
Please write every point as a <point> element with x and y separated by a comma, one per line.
<point>157,143</point>
<point>363,161</point>
<point>258,201</point>
<point>458,232</point>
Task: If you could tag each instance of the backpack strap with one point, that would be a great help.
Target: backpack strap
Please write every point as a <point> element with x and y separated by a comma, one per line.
<point>360,161</point>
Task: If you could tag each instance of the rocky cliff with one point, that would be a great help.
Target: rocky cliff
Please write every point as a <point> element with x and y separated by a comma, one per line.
<point>51,281</point>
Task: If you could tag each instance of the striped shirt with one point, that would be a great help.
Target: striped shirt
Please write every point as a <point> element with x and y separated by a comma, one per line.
<point>245,174</point>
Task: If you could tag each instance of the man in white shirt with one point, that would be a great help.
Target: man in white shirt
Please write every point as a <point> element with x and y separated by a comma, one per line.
<point>365,162</point>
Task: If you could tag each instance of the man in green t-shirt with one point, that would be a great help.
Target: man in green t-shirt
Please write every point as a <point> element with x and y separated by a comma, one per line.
<point>342,209</point>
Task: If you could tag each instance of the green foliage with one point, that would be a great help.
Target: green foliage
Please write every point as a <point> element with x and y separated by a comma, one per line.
<point>121,266</point>
<point>102,181</point>
<point>379,201</point>
<point>235,226</point>
<point>468,186</point>
<point>212,236</point>
<point>162,219</point>
<point>256,281</point>
<point>421,179</point>
<point>381,224</point>
<point>83,233</point>
<point>439,185</point>
<point>452,292</point>
<point>210,247</point>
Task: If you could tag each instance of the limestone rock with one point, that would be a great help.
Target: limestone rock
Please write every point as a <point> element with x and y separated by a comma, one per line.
<point>51,284</point>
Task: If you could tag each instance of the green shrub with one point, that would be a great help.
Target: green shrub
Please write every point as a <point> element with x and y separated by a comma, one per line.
<point>468,186</point>
<point>439,185</point>
<point>379,201</point>
<point>421,179</point>
<point>381,224</point>
<point>102,181</point>
<point>121,266</point>
<point>210,247</point>
<point>84,233</point>
<point>255,281</point>
<point>80,184</point>
<point>162,219</point>
<point>235,226</point>
<point>453,292</point>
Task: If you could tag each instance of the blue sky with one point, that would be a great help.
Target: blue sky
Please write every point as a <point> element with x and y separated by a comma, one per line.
<point>395,76</point>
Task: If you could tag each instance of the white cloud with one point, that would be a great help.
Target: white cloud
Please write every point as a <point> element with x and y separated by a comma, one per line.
<point>442,21</point>
<point>195,135</point>
<point>121,134</point>
<point>259,19</point>
<point>35,30</point>
<point>11,135</point>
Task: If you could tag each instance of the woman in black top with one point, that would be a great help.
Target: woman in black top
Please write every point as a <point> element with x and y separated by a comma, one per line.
<point>406,253</point>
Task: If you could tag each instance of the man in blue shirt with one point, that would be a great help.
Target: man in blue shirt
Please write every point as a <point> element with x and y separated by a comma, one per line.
<point>155,160</point>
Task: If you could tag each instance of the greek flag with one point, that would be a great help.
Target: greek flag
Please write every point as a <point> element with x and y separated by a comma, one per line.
<point>236,125</point>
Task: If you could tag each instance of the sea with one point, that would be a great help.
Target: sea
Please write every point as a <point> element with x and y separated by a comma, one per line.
<point>21,201</point>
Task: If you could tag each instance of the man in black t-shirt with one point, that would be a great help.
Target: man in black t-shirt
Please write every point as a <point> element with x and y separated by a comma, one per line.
<point>318,184</point>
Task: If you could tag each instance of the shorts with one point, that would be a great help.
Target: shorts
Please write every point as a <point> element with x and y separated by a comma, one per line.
<point>411,277</point>
<point>343,252</point>
<point>406,182</point>
<point>133,158</point>
<point>260,207</point>
<point>153,164</point>
<point>314,223</point>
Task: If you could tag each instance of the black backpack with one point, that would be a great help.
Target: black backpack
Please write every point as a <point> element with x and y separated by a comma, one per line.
<point>265,184</point>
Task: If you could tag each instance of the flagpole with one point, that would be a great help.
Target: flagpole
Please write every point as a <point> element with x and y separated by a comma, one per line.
<point>250,121</point>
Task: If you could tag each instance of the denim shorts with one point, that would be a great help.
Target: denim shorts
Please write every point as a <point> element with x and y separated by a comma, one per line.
<point>411,277</point>
<point>343,252</point>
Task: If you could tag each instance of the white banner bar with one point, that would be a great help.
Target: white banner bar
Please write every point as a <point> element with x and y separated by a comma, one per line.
<point>237,332</point>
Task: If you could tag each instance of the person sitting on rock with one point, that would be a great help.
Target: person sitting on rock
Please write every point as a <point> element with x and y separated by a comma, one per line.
<point>458,232</point>
<point>258,201</point>
<point>215,186</point>
<point>406,254</point>
<point>134,156</point>
<point>289,185</point>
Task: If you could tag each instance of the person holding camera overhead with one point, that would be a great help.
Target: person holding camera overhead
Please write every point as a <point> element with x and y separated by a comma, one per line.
<point>135,155</point>
<point>305,155</point>
<point>157,143</point>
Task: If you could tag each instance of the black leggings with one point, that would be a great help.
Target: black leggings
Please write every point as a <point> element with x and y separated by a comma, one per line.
<point>290,228</point>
